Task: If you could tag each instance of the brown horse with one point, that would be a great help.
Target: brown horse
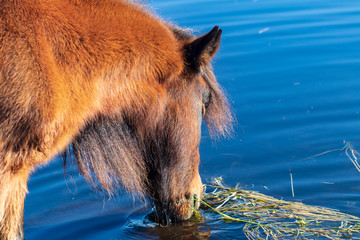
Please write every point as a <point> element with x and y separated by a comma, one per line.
<point>126,90</point>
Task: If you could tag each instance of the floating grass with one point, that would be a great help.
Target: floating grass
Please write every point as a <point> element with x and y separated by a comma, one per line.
<point>265,217</point>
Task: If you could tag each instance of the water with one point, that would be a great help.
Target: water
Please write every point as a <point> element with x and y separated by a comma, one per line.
<point>291,70</point>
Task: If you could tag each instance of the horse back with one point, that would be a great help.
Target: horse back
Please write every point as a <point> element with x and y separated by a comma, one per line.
<point>64,62</point>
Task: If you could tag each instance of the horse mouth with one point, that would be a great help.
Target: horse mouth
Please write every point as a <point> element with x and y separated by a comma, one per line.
<point>176,212</point>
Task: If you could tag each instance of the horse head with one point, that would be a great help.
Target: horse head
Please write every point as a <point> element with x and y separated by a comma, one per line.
<point>155,150</point>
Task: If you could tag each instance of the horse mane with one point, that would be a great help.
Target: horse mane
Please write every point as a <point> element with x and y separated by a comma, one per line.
<point>218,115</point>
<point>109,151</point>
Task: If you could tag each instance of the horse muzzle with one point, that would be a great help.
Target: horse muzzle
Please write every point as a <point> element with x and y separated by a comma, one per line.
<point>182,209</point>
<point>178,211</point>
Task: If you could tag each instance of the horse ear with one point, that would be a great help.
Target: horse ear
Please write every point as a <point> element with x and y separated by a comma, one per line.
<point>202,49</point>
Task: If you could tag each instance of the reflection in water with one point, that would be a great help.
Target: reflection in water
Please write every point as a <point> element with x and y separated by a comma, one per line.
<point>188,230</point>
<point>139,225</point>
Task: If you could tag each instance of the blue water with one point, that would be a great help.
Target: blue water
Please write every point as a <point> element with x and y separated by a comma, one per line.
<point>292,72</point>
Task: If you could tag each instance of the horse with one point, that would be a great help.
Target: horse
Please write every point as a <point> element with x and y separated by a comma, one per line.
<point>122,90</point>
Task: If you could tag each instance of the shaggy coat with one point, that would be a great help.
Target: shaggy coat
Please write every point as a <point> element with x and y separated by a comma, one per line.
<point>121,89</point>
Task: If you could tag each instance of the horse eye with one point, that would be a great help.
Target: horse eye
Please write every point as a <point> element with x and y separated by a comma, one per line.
<point>203,109</point>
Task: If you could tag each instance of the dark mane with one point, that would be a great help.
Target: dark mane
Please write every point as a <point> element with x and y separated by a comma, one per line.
<point>218,115</point>
<point>107,152</point>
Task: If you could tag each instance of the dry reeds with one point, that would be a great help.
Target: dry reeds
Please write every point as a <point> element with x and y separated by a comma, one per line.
<point>265,217</point>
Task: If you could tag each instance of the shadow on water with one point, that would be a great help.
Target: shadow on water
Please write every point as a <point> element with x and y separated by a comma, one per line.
<point>201,226</point>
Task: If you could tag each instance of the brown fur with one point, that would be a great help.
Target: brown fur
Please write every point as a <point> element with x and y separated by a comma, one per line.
<point>125,88</point>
